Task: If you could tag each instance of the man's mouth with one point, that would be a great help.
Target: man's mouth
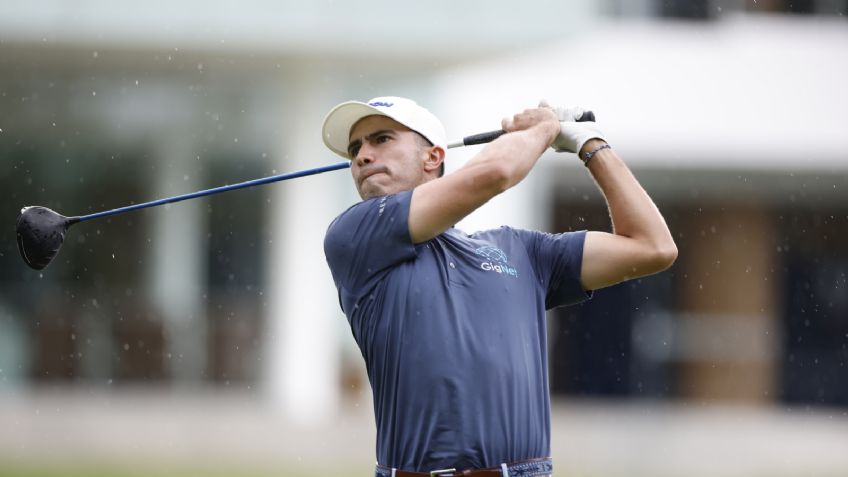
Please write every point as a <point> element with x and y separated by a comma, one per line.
<point>371,172</point>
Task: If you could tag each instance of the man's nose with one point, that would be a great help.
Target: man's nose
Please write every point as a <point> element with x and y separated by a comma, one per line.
<point>365,155</point>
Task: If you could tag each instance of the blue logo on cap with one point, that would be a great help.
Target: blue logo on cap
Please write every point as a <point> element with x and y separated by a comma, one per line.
<point>381,103</point>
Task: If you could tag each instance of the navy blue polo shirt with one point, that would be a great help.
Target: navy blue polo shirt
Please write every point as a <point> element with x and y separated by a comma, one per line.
<point>453,333</point>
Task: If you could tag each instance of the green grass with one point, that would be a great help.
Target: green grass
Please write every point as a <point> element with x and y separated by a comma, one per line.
<point>58,469</point>
<point>88,469</point>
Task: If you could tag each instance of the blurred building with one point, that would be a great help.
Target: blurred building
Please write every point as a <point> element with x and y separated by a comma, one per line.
<point>732,114</point>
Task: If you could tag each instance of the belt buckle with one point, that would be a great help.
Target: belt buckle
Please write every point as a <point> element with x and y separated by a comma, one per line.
<point>446,472</point>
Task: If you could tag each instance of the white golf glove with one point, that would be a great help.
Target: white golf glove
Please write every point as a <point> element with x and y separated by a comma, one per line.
<point>572,134</point>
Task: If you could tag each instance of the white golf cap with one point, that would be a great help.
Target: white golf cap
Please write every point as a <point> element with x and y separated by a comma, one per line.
<point>340,120</point>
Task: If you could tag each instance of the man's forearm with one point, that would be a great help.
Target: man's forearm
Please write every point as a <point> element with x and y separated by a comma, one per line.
<point>515,153</point>
<point>633,213</point>
<point>439,204</point>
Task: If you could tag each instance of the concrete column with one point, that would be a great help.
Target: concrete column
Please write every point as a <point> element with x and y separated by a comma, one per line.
<point>302,343</point>
<point>177,267</point>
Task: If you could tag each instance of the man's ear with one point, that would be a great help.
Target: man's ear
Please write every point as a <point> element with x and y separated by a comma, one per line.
<point>435,158</point>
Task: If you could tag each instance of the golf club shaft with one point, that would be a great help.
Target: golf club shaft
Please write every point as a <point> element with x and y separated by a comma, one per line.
<point>216,190</point>
<point>466,141</point>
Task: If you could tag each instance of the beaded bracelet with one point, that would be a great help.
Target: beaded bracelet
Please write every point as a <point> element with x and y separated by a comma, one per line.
<point>589,155</point>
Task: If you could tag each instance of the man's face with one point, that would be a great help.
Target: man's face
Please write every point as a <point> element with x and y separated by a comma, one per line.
<point>386,157</point>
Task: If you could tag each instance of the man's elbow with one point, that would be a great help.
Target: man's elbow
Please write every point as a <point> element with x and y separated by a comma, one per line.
<point>496,178</point>
<point>663,256</point>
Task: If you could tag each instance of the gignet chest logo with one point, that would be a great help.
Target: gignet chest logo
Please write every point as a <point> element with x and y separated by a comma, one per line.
<point>495,261</point>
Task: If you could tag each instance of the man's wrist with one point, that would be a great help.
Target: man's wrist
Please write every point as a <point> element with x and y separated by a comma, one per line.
<point>549,132</point>
<point>554,132</point>
<point>590,145</point>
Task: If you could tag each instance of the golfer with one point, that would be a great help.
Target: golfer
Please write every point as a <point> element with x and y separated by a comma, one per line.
<point>451,325</point>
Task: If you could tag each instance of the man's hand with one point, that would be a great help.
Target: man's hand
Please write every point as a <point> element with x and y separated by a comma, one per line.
<point>573,135</point>
<point>543,118</point>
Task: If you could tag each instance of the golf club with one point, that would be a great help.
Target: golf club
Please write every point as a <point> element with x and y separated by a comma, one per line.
<point>41,231</point>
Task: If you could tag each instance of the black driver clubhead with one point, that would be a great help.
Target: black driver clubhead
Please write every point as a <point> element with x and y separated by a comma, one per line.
<point>41,232</point>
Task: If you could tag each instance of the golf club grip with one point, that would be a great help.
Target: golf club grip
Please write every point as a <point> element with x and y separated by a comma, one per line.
<point>490,136</point>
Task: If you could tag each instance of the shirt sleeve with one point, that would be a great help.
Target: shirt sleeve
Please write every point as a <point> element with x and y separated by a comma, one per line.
<point>366,240</point>
<point>558,259</point>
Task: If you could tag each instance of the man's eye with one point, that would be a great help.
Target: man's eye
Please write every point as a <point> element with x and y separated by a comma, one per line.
<point>383,138</point>
<point>353,151</point>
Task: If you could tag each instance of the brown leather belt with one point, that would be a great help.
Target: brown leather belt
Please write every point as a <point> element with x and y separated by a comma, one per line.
<point>526,468</point>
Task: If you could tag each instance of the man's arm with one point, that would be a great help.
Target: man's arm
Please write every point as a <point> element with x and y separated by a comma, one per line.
<point>439,204</point>
<point>640,244</point>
